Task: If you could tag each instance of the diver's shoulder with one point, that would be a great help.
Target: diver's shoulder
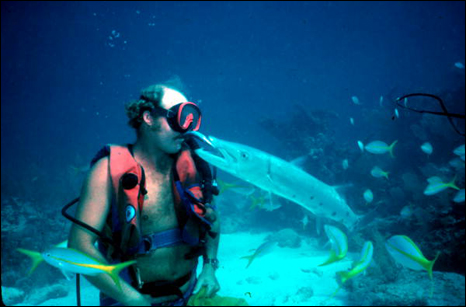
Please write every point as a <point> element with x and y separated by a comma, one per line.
<point>100,170</point>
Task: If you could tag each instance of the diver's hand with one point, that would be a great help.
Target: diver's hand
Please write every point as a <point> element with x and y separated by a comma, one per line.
<point>207,279</point>
<point>211,215</point>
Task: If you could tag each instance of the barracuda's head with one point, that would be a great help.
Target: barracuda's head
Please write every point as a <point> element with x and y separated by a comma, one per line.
<point>236,159</point>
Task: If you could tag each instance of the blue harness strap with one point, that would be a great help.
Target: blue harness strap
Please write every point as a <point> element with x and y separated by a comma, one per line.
<point>165,238</point>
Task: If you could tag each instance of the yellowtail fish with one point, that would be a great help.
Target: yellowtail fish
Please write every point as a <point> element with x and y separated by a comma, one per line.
<point>355,100</point>
<point>358,267</point>
<point>368,196</point>
<point>377,172</point>
<point>79,170</point>
<point>406,212</point>
<point>37,258</point>
<point>361,146</point>
<point>406,252</point>
<point>457,163</point>
<point>437,185</point>
<point>305,221</point>
<point>459,197</point>
<point>361,265</point>
<point>70,260</point>
<point>257,201</point>
<point>459,151</point>
<point>379,147</point>
<point>459,65</point>
<point>264,202</point>
<point>235,187</point>
<point>427,148</point>
<point>339,243</point>
<point>262,250</point>
<point>345,164</point>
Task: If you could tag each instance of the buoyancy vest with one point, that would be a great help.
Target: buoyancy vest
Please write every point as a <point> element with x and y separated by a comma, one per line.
<point>123,224</point>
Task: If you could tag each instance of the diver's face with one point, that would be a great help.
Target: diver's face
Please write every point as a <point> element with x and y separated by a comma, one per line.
<point>167,139</point>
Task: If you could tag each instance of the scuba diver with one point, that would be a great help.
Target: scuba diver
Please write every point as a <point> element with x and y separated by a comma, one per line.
<point>151,202</point>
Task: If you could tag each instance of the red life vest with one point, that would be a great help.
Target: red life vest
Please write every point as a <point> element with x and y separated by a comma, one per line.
<point>124,221</point>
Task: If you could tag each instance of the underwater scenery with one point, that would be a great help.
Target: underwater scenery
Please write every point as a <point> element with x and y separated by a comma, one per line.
<point>319,157</point>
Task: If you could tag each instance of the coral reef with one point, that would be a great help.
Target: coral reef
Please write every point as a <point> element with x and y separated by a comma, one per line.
<point>12,296</point>
<point>412,288</point>
<point>286,238</point>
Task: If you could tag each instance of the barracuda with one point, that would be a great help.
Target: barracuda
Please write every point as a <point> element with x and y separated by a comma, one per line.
<point>281,178</point>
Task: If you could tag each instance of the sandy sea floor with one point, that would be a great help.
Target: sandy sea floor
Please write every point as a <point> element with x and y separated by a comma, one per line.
<point>283,277</point>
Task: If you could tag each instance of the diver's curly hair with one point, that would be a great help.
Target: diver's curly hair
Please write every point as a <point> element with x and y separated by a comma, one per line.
<point>150,98</point>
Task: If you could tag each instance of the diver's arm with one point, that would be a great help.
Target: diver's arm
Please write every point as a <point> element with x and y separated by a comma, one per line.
<point>207,277</point>
<point>212,243</point>
<point>93,208</point>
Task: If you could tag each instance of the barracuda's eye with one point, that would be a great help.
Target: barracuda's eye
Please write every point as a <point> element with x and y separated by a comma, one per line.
<point>244,155</point>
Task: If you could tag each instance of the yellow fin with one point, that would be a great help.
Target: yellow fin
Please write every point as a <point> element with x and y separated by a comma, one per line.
<point>36,258</point>
<point>331,259</point>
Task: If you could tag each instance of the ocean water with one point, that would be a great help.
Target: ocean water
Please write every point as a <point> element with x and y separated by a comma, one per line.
<point>302,82</point>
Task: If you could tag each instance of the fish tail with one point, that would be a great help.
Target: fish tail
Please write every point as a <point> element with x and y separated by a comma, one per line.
<point>254,203</point>
<point>430,265</point>
<point>386,174</point>
<point>249,258</point>
<point>344,276</point>
<point>391,147</point>
<point>35,256</point>
<point>335,293</point>
<point>114,270</point>
<point>452,184</point>
<point>225,186</point>
<point>331,259</point>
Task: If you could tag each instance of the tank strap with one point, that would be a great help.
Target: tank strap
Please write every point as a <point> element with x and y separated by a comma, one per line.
<point>167,238</point>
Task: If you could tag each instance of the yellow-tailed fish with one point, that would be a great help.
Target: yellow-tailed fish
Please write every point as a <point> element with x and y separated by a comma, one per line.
<point>361,146</point>
<point>355,100</point>
<point>427,148</point>
<point>457,163</point>
<point>437,185</point>
<point>305,221</point>
<point>358,267</point>
<point>257,202</point>
<point>377,172</point>
<point>37,258</point>
<point>407,212</point>
<point>379,147</point>
<point>345,164</point>
<point>459,151</point>
<point>459,65</point>
<point>263,249</point>
<point>70,260</point>
<point>368,196</point>
<point>459,197</point>
<point>79,170</point>
<point>225,186</point>
<point>339,243</point>
<point>406,252</point>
